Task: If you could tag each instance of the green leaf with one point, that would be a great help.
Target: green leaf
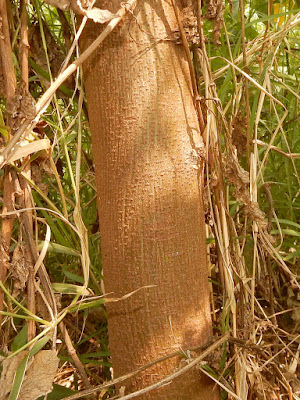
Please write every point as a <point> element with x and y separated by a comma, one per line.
<point>288,222</point>
<point>20,339</point>
<point>289,232</point>
<point>88,305</point>
<point>58,392</point>
<point>73,277</point>
<point>68,288</point>
<point>59,248</point>
<point>18,379</point>
<point>295,254</point>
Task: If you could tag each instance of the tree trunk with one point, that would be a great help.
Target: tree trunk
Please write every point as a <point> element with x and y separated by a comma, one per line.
<point>143,125</point>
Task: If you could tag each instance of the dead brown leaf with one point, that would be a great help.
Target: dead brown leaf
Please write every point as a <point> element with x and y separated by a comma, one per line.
<point>215,12</point>
<point>239,134</point>
<point>240,179</point>
<point>81,7</point>
<point>9,367</point>
<point>100,16</point>
<point>39,376</point>
<point>20,108</point>
<point>19,268</point>
<point>190,24</point>
<point>61,4</point>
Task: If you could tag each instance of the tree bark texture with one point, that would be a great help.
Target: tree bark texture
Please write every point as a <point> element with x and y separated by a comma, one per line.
<point>144,125</point>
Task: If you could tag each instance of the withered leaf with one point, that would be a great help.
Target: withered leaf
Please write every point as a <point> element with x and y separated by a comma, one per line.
<point>79,6</point>
<point>20,107</point>
<point>9,367</point>
<point>240,179</point>
<point>100,16</point>
<point>39,376</point>
<point>62,4</point>
<point>19,268</point>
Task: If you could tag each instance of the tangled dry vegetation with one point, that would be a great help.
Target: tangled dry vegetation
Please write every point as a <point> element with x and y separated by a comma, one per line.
<point>246,72</point>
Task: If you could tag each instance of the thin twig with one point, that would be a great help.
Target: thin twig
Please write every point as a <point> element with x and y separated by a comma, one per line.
<point>24,45</point>
<point>267,189</point>
<point>26,218</point>
<point>6,54</point>
<point>7,226</point>
<point>158,384</point>
<point>26,197</point>
<point>246,84</point>
<point>73,355</point>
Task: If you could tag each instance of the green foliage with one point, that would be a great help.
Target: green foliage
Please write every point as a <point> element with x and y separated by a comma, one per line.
<point>59,392</point>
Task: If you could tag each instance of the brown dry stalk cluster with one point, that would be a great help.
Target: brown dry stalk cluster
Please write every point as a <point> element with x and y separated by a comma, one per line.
<point>215,13</point>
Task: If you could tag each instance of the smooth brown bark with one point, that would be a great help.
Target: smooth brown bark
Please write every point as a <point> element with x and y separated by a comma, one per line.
<point>149,186</point>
